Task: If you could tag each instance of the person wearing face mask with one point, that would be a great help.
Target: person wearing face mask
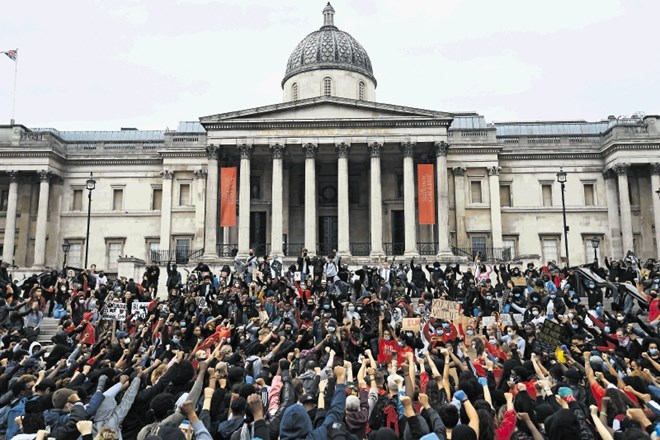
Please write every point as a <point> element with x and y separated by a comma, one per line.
<point>559,306</point>
<point>651,358</point>
<point>628,347</point>
<point>534,315</point>
<point>351,313</point>
<point>512,337</point>
<point>388,346</point>
<point>489,304</point>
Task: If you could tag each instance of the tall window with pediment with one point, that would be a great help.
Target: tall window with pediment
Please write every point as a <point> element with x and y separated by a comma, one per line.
<point>327,86</point>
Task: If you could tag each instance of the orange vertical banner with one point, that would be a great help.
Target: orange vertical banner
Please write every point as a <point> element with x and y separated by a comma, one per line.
<point>228,196</point>
<point>426,194</point>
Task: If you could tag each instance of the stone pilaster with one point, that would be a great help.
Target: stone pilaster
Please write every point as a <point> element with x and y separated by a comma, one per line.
<point>655,186</point>
<point>621,171</point>
<point>376,200</point>
<point>10,223</point>
<point>42,220</point>
<point>245,151</point>
<point>199,191</point>
<point>310,150</point>
<point>410,219</point>
<point>441,152</point>
<point>495,209</point>
<point>613,219</point>
<point>277,206</point>
<point>459,207</point>
<point>211,204</point>
<point>343,213</point>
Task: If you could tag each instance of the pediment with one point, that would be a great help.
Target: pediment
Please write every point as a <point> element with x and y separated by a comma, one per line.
<point>327,108</point>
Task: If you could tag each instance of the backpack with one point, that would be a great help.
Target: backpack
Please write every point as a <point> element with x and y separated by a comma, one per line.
<point>384,414</point>
<point>338,431</point>
<point>9,413</point>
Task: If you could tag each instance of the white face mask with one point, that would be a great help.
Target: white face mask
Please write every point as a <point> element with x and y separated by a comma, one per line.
<point>127,340</point>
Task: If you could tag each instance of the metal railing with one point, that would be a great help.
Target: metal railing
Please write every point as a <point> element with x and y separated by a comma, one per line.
<point>427,248</point>
<point>324,249</point>
<point>393,248</point>
<point>293,249</point>
<point>360,249</point>
<point>261,249</point>
<point>486,254</point>
<point>178,256</point>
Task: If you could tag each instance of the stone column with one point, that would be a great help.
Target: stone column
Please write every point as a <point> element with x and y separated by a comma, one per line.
<point>42,220</point>
<point>613,219</point>
<point>376,201</point>
<point>495,211</point>
<point>343,213</point>
<point>245,151</point>
<point>166,210</point>
<point>310,197</point>
<point>441,151</point>
<point>211,210</point>
<point>277,203</point>
<point>459,208</point>
<point>410,218</point>
<point>10,223</point>
<point>200,205</point>
<point>621,171</point>
<point>655,186</point>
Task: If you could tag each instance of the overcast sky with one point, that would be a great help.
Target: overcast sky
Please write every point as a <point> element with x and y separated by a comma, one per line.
<point>101,65</point>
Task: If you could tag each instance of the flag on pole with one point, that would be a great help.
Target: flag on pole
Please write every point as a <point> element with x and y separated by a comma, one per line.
<point>12,54</point>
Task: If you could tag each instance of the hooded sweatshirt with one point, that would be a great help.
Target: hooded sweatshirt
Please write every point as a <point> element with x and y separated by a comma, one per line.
<point>297,425</point>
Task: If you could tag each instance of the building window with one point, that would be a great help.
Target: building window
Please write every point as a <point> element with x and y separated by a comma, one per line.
<point>546,192</point>
<point>113,249</point>
<point>479,245</point>
<point>475,191</point>
<point>77,204</point>
<point>550,248</point>
<point>184,194</point>
<point>589,194</point>
<point>4,199</point>
<point>399,186</point>
<point>153,246</point>
<point>117,199</point>
<point>74,257</point>
<point>327,86</point>
<point>255,187</point>
<point>589,250</point>
<point>156,199</point>
<point>361,88</point>
<point>182,248</point>
<point>510,243</point>
<point>505,195</point>
<point>294,91</point>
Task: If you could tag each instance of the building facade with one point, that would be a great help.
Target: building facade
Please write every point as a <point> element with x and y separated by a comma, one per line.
<point>331,168</point>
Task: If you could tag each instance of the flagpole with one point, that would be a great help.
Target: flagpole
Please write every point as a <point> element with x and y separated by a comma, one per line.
<point>13,104</point>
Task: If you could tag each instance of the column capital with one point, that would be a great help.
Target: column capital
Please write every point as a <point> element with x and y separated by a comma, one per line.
<point>458,171</point>
<point>167,174</point>
<point>44,175</point>
<point>441,149</point>
<point>609,174</point>
<point>375,149</point>
<point>200,174</point>
<point>408,148</point>
<point>310,149</point>
<point>343,148</point>
<point>13,176</point>
<point>655,169</point>
<point>621,169</point>
<point>494,171</point>
<point>245,150</point>
<point>213,151</point>
<point>277,150</point>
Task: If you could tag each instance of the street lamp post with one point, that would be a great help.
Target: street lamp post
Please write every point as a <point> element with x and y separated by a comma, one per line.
<point>561,178</point>
<point>594,244</point>
<point>65,248</point>
<point>89,185</point>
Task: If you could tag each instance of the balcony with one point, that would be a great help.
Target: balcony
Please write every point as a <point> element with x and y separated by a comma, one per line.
<point>486,254</point>
<point>178,256</point>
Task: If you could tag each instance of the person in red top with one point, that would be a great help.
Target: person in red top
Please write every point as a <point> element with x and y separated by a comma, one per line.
<point>387,347</point>
<point>654,308</point>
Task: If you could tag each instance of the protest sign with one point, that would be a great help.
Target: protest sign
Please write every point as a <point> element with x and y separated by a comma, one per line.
<point>411,324</point>
<point>443,309</point>
<point>139,309</point>
<point>114,310</point>
<point>263,316</point>
<point>487,321</point>
<point>201,301</point>
<point>549,338</point>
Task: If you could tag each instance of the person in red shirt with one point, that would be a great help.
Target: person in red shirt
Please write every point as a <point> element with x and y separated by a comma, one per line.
<point>388,347</point>
<point>654,308</point>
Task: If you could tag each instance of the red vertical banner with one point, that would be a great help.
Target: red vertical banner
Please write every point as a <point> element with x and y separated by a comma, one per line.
<point>228,196</point>
<point>426,194</point>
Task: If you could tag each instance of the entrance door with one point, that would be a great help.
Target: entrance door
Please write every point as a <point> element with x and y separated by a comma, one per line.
<point>398,233</point>
<point>258,233</point>
<point>327,234</point>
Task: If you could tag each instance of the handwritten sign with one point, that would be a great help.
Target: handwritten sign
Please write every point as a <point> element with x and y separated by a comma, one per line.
<point>411,324</point>
<point>139,309</point>
<point>447,310</point>
<point>114,310</point>
<point>549,338</point>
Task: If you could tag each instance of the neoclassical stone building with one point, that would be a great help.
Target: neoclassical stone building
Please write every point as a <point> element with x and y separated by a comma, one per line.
<point>330,168</point>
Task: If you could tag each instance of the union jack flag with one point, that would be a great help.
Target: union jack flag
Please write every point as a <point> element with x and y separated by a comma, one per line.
<point>12,54</point>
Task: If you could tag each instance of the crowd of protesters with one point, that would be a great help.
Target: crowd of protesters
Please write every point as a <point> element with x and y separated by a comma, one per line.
<point>318,351</point>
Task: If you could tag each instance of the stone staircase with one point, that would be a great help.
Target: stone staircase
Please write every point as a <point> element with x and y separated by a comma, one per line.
<point>48,330</point>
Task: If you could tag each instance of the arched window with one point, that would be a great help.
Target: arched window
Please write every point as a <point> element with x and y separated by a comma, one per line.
<point>361,88</point>
<point>327,86</point>
<point>294,91</point>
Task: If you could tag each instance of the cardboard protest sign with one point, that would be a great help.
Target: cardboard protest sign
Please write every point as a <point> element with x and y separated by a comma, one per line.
<point>114,310</point>
<point>443,309</point>
<point>263,316</point>
<point>139,309</point>
<point>549,338</point>
<point>487,321</point>
<point>411,324</point>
